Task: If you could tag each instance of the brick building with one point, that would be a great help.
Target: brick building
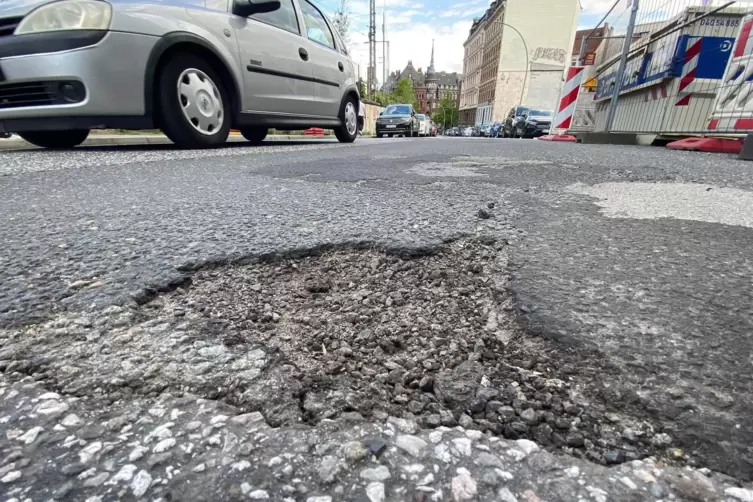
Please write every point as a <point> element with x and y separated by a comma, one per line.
<point>429,88</point>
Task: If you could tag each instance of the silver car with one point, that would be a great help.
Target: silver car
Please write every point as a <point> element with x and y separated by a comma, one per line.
<point>193,68</point>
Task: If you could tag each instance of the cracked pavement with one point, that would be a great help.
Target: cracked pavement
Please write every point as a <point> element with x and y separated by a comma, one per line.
<point>652,287</point>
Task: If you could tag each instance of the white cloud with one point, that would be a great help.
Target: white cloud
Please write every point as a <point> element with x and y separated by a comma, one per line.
<point>414,43</point>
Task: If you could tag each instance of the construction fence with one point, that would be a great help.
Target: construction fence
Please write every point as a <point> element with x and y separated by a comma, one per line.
<point>666,69</point>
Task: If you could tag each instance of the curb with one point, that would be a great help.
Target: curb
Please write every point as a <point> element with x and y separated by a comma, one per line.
<point>16,143</point>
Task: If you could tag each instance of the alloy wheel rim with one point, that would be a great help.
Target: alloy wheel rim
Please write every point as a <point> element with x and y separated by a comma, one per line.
<point>351,120</point>
<point>201,101</point>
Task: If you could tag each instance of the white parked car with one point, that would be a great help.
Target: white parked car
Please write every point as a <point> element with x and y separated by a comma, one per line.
<point>424,125</point>
<point>468,132</point>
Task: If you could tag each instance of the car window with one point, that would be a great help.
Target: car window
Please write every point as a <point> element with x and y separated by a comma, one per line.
<point>421,117</point>
<point>521,111</point>
<point>541,113</point>
<point>283,18</point>
<point>397,110</point>
<point>316,27</point>
<point>341,44</point>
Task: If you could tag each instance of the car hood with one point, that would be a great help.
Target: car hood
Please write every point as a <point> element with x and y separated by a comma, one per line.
<point>19,8</point>
<point>541,119</point>
<point>401,116</point>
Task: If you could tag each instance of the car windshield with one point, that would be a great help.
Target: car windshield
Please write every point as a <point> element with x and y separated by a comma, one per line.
<point>397,110</point>
<point>520,111</point>
<point>540,113</point>
<point>421,117</point>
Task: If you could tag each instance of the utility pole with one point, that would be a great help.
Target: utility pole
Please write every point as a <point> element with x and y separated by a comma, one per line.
<point>372,48</point>
<point>384,46</point>
<point>621,68</point>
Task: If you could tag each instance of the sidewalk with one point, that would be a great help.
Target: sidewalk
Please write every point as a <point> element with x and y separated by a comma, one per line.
<point>16,143</point>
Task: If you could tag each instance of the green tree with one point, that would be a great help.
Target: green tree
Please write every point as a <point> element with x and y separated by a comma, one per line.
<point>446,113</point>
<point>362,88</point>
<point>383,98</point>
<point>403,93</point>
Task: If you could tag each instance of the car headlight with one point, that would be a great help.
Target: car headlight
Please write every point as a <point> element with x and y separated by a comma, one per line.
<point>67,15</point>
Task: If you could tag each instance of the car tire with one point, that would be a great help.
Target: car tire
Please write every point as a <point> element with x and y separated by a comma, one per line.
<point>347,132</point>
<point>186,79</point>
<point>254,135</point>
<point>56,140</point>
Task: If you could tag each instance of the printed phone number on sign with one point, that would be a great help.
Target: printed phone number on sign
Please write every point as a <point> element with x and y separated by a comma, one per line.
<point>732,23</point>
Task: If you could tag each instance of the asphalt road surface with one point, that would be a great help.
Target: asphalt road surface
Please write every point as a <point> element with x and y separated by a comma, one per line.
<point>640,259</point>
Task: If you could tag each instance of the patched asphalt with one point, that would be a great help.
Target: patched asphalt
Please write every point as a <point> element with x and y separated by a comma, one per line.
<point>666,302</point>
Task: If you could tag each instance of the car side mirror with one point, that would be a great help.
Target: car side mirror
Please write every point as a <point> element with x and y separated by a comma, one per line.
<point>245,8</point>
<point>381,113</point>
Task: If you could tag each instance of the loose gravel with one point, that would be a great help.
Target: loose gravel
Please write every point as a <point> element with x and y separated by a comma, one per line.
<point>186,448</point>
<point>342,333</point>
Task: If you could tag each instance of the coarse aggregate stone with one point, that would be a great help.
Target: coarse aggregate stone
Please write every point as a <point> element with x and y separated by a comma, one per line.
<point>192,449</point>
<point>432,339</point>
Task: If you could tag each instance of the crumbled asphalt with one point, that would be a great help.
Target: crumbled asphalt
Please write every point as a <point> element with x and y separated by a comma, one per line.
<point>662,308</point>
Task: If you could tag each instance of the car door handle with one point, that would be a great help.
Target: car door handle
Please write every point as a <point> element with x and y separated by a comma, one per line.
<point>340,65</point>
<point>303,53</point>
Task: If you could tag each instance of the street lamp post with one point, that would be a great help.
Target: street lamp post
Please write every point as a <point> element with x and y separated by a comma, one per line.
<point>525,47</point>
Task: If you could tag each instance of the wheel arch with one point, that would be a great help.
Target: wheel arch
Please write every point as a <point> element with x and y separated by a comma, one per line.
<point>351,91</point>
<point>194,44</point>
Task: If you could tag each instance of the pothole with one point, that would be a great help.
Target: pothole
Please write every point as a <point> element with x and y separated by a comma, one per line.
<point>351,334</point>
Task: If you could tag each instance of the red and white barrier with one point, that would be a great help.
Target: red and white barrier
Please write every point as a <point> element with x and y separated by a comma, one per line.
<point>689,67</point>
<point>566,107</point>
<point>733,110</point>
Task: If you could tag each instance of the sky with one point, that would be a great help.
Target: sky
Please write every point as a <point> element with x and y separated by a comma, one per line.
<point>412,24</point>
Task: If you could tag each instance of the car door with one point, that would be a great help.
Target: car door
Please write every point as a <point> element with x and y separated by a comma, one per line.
<point>329,64</point>
<point>277,76</point>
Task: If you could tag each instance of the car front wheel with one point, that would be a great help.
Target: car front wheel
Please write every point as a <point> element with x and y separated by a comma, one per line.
<point>56,140</point>
<point>348,130</point>
<point>193,103</point>
<point>254,135</point>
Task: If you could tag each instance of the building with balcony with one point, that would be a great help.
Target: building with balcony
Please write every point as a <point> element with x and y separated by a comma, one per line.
<point>473,55</point>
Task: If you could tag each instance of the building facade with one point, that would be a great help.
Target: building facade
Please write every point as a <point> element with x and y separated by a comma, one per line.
<point>429,88</point>
<point>534,78</point>
<point>515,55</point>
<point>490,62</point>
<point>473,54</point>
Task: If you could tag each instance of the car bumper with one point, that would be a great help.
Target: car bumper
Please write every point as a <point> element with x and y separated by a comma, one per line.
<point>535,132</point>
<point>105,70</point>
<point>399,129</point>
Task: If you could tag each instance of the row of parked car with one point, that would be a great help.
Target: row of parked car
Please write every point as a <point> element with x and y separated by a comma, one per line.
<point>521,122</point>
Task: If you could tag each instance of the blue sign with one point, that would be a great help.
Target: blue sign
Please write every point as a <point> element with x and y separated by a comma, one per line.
<point>666,61</point>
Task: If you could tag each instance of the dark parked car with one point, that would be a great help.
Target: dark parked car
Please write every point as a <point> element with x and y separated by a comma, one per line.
<point>534,124</point>
<point>513,116</point>
<point>397,120</point>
